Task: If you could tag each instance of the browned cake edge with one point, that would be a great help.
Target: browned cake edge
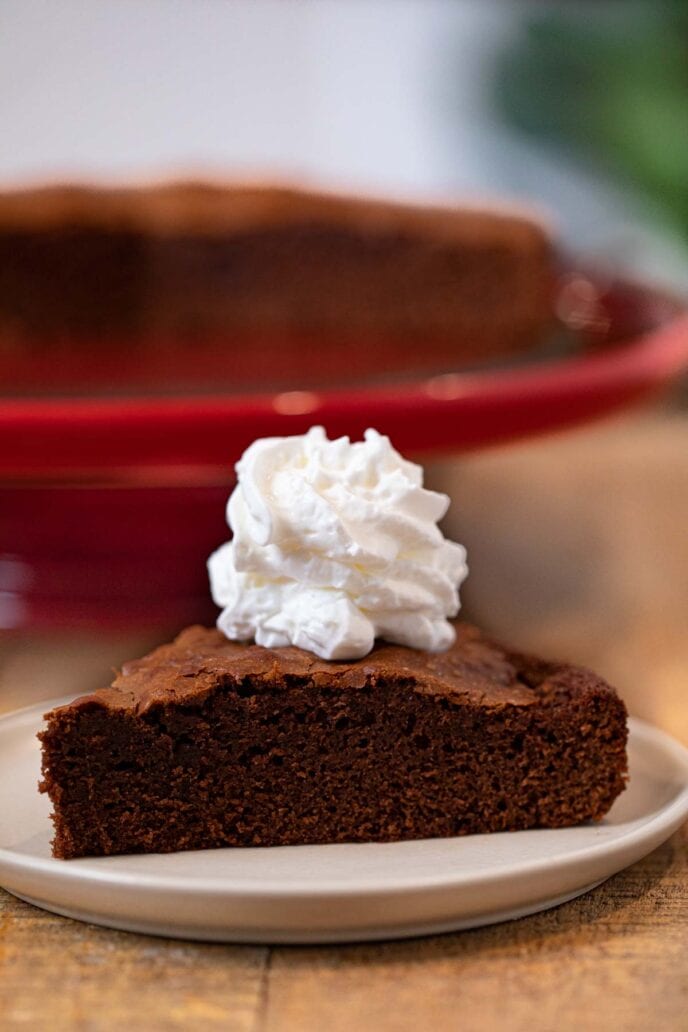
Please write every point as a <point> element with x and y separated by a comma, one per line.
<point>181,207</point>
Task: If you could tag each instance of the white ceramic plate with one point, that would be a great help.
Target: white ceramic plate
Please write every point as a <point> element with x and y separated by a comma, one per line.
<point>332,893</point>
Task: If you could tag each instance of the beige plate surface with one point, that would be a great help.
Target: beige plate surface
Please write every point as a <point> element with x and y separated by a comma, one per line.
<point>336,893</point>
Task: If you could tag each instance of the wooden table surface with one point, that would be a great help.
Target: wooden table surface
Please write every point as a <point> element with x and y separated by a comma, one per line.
<point>589,530</point>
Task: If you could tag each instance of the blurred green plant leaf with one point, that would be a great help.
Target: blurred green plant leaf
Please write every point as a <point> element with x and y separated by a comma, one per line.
<point>611,86</point>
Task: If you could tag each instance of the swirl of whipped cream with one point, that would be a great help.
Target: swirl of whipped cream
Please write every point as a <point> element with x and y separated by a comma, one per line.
<point>335,544</point>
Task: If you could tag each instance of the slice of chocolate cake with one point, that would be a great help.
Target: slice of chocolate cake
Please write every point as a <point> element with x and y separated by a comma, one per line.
<point>207,743</point>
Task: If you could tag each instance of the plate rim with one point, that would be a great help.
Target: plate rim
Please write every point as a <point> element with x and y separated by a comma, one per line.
<point>656,829</point>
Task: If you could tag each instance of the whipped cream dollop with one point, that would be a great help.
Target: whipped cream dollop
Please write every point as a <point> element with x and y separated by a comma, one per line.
<point>335,544</point>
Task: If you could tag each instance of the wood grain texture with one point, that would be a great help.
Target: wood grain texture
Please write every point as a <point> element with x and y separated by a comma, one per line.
<point>62,975</point>
<point>594,547</point>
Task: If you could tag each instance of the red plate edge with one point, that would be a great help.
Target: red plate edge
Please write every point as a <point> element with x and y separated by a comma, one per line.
<point>453,411</point>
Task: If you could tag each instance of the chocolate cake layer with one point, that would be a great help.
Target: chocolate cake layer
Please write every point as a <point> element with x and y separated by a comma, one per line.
<point>193,265</point>
<point>207,743</point>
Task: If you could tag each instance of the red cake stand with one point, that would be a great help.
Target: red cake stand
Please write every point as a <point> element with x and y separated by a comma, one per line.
<point>109,506</point>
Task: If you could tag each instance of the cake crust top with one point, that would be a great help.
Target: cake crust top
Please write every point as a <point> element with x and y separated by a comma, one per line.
<point>474,670</point>
<point>202,207</point>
